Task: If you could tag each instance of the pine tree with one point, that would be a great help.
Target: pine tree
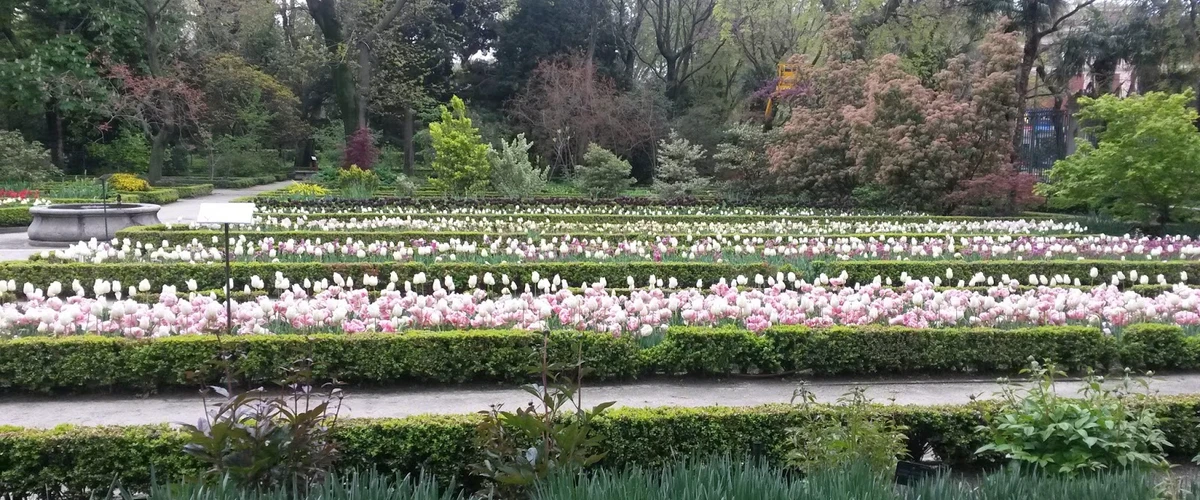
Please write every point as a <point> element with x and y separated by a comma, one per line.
<point>677,177</point>
<point>461,157</point>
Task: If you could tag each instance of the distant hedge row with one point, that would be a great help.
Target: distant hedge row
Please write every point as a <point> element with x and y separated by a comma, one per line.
<point>94,363</point>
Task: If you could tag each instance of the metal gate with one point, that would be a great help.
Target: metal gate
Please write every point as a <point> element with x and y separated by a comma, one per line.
<point>1047,136</point>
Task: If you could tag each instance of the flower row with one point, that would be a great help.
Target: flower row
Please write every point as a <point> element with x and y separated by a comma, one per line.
<point>517,224</point>
<point>775,251</point>
<point>639,312</point>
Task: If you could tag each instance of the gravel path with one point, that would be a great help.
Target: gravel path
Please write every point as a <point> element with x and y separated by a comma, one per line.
<point>124,410</point>
<point>16,246</point>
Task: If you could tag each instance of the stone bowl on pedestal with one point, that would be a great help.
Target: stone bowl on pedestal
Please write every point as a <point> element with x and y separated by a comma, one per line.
<point>75,222</point>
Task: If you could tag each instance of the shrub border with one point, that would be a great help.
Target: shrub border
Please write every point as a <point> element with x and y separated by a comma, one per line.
<point>92,363</point>
<point>74,460</point>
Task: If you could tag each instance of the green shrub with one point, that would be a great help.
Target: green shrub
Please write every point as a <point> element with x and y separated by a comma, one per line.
<point>460,163</point>
<point>602,174</point>
<point>194,190</point>
<point>1149,137</point>
<point>78,363</point>
<point>1102,430</point>
<point>24,161</point>
<point>845,437</point>
<point>74,460</point>
<point>676,176</point>
<point>159,196</point>
<point>15,216</point>
<point>128,152</point>
<point>513,175</point>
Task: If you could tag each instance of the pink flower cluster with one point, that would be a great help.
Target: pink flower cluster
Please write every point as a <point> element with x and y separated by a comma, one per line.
<point>640,312</point>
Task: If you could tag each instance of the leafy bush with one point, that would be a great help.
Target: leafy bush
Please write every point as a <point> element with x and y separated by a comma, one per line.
<point>676,176</point>
<point>357,183</point>
<point>1001,193</point>
<point>80,189</point>
<point>24,161</point>
<point>1104,429</point>
<point>360,150</point>
<point>1149,137</point>
<point>555,435</point>
<point>241,156</point>
<point>460,163</point>
<point>259,441</point>
<point>128,152</point>
<point>741,163</point>
<point>305,190</point>
<point>128,182</point>
<point>602,173</point>
<point>512,173</point>
<point>405,187</point>
<point>847,436</point>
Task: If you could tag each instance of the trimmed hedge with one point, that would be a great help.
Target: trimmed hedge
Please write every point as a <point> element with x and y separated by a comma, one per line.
<point>194,190</point>
<point>95,363</point>
<point>181,235</point>
<point>224,182</point>
<point>15,216</point>
<point>159,196</point>
<point>72,461</point>
<point>212,275</point>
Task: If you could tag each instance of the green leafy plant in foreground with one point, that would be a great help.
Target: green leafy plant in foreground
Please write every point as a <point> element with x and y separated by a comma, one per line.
<point>849,434</point>
<point>1103,429</point>
<point>553,435</point>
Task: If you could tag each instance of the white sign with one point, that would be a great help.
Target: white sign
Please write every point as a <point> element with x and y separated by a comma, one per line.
<point>226,213</point>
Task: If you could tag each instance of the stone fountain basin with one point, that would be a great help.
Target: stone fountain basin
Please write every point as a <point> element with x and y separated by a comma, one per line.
<point>75,222</point>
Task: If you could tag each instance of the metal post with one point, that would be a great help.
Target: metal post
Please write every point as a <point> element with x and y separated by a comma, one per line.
<point>228,287</point>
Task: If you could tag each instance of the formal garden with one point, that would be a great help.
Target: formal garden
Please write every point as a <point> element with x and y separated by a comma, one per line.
<point>559,196</point>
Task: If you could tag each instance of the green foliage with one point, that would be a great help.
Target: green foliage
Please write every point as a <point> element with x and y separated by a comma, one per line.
<point>160,196</point>
<point>81,188</point>
<point>676,176</point>
<point>513,175</point>
<point>845,437</point>
<point>553,435</point>
<point>43,364</point>
<point>368,484</point>
<point>742,170</point>
<point>357,183</point>
<point>1106,428</point>
<point>241,156</point>
<point>602,174</point>
<point>1148,151</point>
<point>711,478</point>
<point>24,161</point>
<point>75,460</point>
<point>15,217</point>
<point>127,152</point>
<point>258,441</point>
<point>461,158</point>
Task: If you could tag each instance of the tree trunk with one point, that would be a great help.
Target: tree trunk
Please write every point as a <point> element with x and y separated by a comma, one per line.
<point>324,14</point>
<point>1028,58</point>
<point>407,131</point>
<point>364,82</point>
<point>54,125</point>
<point>158,149</point>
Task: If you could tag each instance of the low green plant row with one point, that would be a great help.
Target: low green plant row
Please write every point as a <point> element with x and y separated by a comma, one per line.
<point>157,196</point>
<point>181,235</point>
<point>75,460</point>
<point>225,182</point>
<point>95,363</point>
<point>211,275</point>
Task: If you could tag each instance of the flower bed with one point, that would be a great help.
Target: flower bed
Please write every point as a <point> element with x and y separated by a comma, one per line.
<point>76,460</point>
<point>778,251</point>
<point>97,363</point>
<point>639,313</point>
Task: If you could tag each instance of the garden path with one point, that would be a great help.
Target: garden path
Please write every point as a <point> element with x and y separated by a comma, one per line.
<point>15,245</point>
<point>47,411</point>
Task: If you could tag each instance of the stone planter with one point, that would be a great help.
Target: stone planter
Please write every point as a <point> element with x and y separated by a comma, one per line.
<point>75,222</point>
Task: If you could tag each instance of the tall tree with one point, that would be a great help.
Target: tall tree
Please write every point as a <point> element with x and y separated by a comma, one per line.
<point>678,27</point>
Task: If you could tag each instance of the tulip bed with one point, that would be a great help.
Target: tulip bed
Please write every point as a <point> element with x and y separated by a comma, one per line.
<point>77,459</point>
<point>640,275</point>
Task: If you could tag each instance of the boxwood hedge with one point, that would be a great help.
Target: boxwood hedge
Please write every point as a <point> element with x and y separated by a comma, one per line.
<point>95,363</point>
<point>70,462</point>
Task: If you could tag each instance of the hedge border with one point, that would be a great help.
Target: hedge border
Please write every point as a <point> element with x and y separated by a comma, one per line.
<point>75,460</point>
<point>98,364</point>
<point>178,235</point>
<point>210,275</point>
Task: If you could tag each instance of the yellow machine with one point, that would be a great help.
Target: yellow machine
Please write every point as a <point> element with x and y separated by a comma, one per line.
<point>786,79</point>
